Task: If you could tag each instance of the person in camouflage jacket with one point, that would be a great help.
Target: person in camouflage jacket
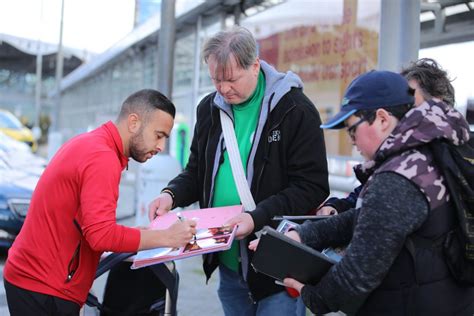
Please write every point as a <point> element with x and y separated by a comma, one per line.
<point>404,195</point>
<point>431,82</point>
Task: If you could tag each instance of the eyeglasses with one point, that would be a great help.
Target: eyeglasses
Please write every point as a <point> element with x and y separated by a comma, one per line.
<point>351,130</point>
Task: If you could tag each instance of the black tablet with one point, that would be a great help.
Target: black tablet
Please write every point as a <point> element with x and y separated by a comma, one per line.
<point>279,256</point>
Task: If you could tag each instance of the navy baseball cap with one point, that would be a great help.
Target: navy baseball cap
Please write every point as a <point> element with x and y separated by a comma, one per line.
<point>372,90</point>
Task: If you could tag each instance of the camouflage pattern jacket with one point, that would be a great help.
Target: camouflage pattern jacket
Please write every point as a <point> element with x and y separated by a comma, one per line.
<point>404,152</point>
<point>403,196</point>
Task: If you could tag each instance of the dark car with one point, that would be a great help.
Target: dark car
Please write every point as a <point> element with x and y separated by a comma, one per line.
<point>16,188</point>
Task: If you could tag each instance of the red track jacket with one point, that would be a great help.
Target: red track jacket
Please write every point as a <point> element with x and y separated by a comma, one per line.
<point>71,219</point>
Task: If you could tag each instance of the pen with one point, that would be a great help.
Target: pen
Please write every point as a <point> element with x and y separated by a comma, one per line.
<point>278,282</point>
<point>181,219</point>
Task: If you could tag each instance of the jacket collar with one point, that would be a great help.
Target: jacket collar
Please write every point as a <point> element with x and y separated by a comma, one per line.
<point>277,85</point>
<point>112,130</point>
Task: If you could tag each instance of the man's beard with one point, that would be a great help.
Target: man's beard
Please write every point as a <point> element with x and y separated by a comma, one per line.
<point>137,151</point>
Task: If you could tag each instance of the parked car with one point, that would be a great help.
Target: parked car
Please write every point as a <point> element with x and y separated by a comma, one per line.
<point>12,127</point>
<point>16,188</point>
<point>20,171</point>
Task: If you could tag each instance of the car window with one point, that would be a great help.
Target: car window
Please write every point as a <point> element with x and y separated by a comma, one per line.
<point>8,120</point>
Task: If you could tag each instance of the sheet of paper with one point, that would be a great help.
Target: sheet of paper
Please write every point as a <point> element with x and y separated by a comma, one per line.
<point>211,236</point>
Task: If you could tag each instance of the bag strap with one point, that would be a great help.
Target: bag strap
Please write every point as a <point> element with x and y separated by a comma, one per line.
<point>236,163</point>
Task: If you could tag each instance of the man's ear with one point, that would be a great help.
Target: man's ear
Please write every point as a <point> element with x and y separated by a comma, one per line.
<point>386,120</point>
<point>133,122</point>
<point>256,66</point>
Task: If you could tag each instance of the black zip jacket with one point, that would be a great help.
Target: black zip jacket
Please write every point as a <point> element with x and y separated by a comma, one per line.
<point>290,169</point>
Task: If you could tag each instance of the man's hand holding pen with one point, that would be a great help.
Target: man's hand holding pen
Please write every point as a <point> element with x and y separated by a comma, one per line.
<point>182,230</point>
<point>182,219</point>
<point>177,235</point>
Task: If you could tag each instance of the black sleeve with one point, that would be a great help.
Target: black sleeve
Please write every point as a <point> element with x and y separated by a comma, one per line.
<point>392,208</point>
<point>332,232</point>
<point>344,204</point>
<point>185,186</point>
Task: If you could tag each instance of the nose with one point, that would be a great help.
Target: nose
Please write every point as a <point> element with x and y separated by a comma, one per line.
<point>161,145</point>
<point>224,87</point>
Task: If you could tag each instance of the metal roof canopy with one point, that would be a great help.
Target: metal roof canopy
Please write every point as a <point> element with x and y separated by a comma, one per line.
<point>456,28</point>
<point>148,33</point>
<point>447,29</point>
<point>19,55</point>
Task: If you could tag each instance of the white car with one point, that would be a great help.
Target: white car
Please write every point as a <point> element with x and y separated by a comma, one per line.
<point>18,156</point>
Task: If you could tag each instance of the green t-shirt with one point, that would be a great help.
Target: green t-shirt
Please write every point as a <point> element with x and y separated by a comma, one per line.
<point>225,191</point>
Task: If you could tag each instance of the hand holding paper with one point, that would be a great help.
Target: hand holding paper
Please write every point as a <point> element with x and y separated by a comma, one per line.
<point>245,223</point>
<point>160,206</point>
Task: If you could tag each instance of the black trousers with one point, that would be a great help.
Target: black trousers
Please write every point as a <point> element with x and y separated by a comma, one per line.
<point>23,302</point>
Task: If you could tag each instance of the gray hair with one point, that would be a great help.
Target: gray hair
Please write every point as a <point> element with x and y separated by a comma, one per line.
<point>237,42</point>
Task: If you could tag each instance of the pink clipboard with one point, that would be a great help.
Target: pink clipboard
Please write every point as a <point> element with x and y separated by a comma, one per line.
<point>206,217</point>
<point>213,237</point>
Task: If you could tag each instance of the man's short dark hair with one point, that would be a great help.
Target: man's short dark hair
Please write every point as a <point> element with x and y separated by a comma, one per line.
<point>432,79</point>
<point>145,101</point>
<point>398,111</point>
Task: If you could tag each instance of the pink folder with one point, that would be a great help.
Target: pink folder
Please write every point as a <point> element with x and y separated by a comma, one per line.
<point>211,236</point>
<point>206,217</point>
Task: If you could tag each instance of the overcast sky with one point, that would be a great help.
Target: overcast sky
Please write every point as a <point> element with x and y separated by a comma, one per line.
<point>95,25</point>
<point>92,25</point>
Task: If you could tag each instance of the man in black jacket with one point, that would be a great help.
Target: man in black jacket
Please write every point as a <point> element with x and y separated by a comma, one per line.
<point>283,156</point>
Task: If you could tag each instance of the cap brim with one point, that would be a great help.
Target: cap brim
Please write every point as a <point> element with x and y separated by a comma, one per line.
<point>337,122</point>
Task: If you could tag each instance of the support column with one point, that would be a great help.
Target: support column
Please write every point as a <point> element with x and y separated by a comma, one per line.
<point>399,41</point>
<point>166,44</point>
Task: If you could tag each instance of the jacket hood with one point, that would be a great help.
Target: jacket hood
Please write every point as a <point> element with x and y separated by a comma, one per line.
<point>276,83</point>
<point>421,125</point>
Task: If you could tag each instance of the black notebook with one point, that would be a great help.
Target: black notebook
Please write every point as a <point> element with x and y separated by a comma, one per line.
<point>279,256</point>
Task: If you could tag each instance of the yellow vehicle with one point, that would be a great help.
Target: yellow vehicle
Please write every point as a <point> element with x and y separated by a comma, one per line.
<point>12,127</point>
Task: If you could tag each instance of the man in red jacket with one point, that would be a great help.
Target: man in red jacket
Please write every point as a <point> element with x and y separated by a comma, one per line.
<point>71,219</point>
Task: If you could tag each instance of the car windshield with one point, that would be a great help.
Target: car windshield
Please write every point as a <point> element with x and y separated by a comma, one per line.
<point>8,120</point>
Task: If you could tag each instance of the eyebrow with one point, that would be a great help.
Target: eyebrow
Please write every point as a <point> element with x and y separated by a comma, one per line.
<point>230,78</point>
